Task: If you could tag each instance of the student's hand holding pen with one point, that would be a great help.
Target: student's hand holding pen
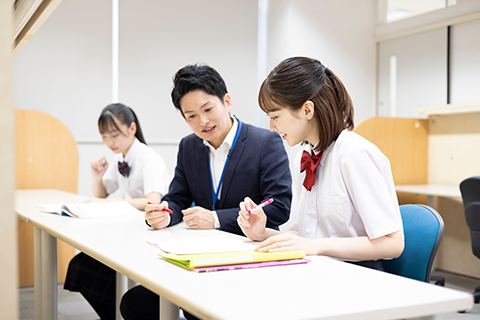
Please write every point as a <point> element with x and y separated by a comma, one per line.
<point>98,168</point>
<point>252,220</point>
<point>158,215</point>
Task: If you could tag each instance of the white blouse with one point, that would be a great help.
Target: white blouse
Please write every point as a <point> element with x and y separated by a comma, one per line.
<point>353,195</point>
<point>218,157</point>
<point>148,173</point>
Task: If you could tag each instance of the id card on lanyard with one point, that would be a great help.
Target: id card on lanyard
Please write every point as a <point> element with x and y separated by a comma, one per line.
<point>215,194</point>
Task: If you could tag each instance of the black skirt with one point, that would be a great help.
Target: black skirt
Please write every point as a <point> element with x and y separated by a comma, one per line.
<point>94,280</point>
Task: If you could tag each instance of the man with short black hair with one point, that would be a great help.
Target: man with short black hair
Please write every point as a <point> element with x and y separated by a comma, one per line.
<point>221,163</point>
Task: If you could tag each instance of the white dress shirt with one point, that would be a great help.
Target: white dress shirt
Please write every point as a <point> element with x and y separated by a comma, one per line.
<point>148,173</point>
<point>353,195</point>
<point>217,162</point>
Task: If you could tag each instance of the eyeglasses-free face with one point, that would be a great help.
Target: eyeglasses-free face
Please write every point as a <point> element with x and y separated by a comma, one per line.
<point>207,115</point>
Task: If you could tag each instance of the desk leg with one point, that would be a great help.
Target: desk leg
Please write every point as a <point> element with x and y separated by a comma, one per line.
<point>131,284</point>
<point>431,201</point>
<point>49,276</point>
<point>168,311</point>
<point>121,289</point>
<point>37,275</point>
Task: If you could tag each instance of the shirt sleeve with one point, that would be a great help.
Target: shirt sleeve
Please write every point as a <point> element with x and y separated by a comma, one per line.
<point>110,178</point>
<point>369,181</point>
<point>155,176</point>
<point>292,223</point>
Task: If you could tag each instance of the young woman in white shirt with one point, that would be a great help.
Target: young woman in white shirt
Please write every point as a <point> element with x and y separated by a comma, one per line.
<point>138,171</point>
<point>140,175</point>
<point>344,203</point>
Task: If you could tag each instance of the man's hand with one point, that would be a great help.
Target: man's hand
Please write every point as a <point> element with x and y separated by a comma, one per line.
<point>156,217</point>
<point>198,218</point>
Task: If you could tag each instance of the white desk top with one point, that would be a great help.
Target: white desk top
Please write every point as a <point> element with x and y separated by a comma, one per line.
<point>322,289</point>
<point>452,191</point>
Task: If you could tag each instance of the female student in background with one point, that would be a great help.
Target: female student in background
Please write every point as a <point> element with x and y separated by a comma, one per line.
<point>141,176</point>
<point>138,171</point>
<point>344,203</point>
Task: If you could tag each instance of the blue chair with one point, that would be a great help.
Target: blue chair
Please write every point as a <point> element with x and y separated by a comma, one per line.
<point>423,228</point>
<point>470,189</point>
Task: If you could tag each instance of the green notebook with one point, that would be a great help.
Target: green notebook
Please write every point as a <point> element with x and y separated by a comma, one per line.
<point>216,259</point>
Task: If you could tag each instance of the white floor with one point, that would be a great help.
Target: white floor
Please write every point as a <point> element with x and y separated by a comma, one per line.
<point>72,306</point>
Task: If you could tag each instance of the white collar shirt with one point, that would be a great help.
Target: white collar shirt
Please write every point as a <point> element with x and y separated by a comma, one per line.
<point>218,157</point>
<point>353,194</point>
<point>148,173</point>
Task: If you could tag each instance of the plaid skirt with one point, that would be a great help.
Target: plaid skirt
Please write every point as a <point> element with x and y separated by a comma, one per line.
<point>94,280</point>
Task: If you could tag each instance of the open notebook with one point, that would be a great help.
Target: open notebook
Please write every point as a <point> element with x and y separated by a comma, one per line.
<point>90,209</point>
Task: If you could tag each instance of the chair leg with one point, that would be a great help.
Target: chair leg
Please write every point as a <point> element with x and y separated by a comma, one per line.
<point>439,281</point>
<point>476,294</point>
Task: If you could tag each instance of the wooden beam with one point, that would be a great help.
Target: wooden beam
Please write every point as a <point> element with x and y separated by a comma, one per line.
<point>43,11</point>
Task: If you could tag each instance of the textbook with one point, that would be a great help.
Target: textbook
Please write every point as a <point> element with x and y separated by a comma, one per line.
<point>190,261</point>
<point>250,265</point>
<point>90,209</point>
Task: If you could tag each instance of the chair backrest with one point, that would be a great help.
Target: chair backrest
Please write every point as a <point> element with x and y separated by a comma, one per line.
<point>423,228</point>
<point>470,189</point>
<point>46,158</point>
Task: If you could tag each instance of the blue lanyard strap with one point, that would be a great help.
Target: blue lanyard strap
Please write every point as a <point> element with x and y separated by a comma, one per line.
<point>215,194</point>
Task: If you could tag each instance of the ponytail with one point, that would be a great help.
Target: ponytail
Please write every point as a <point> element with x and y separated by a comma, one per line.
<point>139,133</point>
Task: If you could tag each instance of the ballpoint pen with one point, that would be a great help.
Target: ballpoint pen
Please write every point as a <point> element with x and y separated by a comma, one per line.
<point>164,209</point>
<point>261,205</point>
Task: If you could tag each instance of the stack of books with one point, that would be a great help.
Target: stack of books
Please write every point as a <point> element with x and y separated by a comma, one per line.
<point>220,253</point>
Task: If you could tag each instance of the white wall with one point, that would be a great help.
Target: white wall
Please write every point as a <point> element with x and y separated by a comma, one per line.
<point>65,69</point>
<point>338,33</point>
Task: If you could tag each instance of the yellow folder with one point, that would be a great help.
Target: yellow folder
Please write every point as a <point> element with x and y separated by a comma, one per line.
<point>216,259</point>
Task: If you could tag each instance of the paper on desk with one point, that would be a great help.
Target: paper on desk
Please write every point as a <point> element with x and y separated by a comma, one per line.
<point>90,209</point>
<point>50,207</point>
<point>198,245</point>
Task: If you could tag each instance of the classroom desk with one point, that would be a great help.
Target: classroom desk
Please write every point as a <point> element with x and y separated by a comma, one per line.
<point>431,190</point>
<point>322,289</point>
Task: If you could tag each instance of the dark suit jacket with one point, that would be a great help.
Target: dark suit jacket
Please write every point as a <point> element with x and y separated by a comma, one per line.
<point>258,168</point>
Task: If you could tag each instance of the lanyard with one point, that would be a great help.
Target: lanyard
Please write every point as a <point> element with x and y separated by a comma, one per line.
<point>215,194</point>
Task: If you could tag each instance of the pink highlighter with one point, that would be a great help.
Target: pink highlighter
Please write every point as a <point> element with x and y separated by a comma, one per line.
<point>261,205</point>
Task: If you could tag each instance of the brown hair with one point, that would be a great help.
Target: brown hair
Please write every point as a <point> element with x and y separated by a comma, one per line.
<point>298,80</point>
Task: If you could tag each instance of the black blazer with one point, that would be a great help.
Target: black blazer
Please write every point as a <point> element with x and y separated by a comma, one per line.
<point>258,168</point>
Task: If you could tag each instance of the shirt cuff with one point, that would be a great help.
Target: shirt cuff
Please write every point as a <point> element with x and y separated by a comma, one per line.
<point>215,217</point>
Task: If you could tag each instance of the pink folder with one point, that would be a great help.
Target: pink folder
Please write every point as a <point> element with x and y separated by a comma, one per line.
<point>251,265</point>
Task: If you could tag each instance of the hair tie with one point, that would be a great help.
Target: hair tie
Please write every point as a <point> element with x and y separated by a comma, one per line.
<point>328,72</point>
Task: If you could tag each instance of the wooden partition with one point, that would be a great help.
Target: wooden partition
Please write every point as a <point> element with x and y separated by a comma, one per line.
<point>46,157</point>
<point>454,155</point>
<point>405,143</point>
<point>442,150</point>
